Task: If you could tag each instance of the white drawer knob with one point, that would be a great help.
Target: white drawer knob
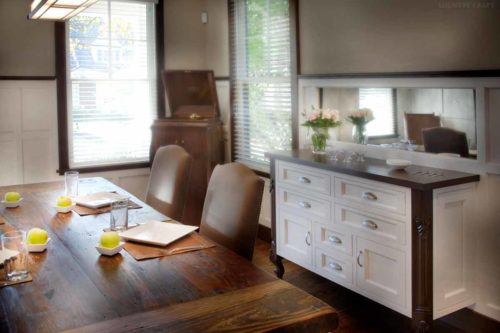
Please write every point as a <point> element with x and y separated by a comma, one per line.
<point>335,266</point>
<point>304,180</point>
<point>335,239</point>
<point>369,196</point>
<point>370,224</point>
<point>304,204</point>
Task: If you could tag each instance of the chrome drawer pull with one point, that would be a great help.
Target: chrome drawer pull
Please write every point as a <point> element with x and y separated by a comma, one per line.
<point>304,180</point>
<point>357,259</point>
<point>335,239</point>
<point>308,238</point>
<point>304,204</point>
<point>370,224</point>
<point>335,266</point>
<point>369,196</point>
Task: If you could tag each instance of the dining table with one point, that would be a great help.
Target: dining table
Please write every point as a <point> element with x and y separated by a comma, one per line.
<point>76,289</point>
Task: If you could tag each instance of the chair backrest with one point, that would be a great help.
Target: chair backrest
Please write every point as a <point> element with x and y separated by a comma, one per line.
<point>168,181</point>
<point>416,122</point>
<point>232,208</point>
<point>445,140</point>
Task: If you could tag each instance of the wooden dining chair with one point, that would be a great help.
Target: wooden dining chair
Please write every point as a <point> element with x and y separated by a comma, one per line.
<point>168,181</point>
<point>416,122</point>
<point>445,140</point>
<point>232,207</point>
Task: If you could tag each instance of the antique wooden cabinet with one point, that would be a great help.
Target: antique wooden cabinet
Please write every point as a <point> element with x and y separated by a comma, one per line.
<point>195,125</point>
<point>400,238</point>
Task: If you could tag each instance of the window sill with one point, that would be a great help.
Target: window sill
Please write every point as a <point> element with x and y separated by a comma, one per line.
<point>103,168</point>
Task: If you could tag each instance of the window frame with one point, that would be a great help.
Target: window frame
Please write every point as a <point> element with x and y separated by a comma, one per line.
<point>293,10</point>
<point>395,118</point>
<point>61,48</point>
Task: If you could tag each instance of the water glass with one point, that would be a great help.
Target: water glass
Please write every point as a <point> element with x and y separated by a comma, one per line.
<point>71,183</point>
<point>16,268</point>
<point>119,214</point>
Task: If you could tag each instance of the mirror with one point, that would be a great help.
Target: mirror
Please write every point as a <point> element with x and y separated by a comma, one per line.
<point>403,117</point>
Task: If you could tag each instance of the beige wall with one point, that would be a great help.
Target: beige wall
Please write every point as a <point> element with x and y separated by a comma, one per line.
<point>26,47</point>
<point>339,36</point>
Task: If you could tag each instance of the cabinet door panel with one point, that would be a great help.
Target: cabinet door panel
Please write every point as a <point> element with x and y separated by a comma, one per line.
<point>380,272</point>
<point>194,140</point>
<point>294,238</point>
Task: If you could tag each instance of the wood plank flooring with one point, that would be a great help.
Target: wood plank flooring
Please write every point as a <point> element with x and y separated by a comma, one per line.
<point>361,315</point>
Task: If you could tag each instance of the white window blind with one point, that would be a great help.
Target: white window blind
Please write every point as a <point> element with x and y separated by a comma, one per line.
<point>261,89</point>
<point>112,83</point>
<point>381,102</point>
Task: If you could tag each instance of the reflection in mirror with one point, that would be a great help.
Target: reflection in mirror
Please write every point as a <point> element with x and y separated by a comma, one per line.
<point>404,117</point>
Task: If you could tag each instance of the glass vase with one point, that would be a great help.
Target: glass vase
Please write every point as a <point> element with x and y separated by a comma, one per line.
<point>319,139</point>
<point>359,134</point>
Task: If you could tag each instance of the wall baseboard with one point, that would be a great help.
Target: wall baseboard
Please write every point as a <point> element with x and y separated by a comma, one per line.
<point>264,233</point>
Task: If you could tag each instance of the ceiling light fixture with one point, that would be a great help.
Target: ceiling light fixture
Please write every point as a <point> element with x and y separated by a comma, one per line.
<point>57,9</point>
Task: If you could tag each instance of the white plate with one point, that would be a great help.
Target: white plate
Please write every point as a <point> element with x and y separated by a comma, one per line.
<point>109,251</point>
<point>38,247</point>
<point>12,204</point>
<point>157,233</point>
<point>395,164</point>
<point>98,199</point>
<point>65,209</point>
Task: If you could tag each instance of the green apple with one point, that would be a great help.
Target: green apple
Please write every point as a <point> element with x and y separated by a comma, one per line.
<point>64,201</point>
<point>37,236</point>
<point>110,239</point>
<point>12,196</point>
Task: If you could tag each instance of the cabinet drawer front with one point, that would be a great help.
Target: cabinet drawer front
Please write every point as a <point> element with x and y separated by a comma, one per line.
<point>332,239</point>
<point>380,229</point>
<point>304,204</point>
<point>294,238</point>
<point>334,266</point>
<point>372,194</point>
<point>380,272</point>
<point>308,179</point>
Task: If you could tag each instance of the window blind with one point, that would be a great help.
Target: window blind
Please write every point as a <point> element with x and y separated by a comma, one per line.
<point>261,89</point>
<point>381,102</point>
<point>112,83</point>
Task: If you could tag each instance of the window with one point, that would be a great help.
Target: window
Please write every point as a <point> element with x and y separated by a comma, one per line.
<point>381,102</point>
<point>261,79</point>
<point>112,83</point>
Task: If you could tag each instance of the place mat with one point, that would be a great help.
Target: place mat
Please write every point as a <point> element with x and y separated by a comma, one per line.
<point>84,211</point>
<point>5,283</point>
<point>191,242</point>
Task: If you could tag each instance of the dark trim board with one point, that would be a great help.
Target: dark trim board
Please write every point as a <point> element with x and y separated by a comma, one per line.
<point>104,168</point>
<point>397,75</point>
<point>27,78</point>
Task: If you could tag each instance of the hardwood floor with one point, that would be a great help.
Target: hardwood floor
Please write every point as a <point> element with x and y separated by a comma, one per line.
<point>359,314</point>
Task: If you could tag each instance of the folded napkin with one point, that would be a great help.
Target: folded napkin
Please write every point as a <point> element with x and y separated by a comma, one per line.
<point>191,242</point>
<point>84,211</point>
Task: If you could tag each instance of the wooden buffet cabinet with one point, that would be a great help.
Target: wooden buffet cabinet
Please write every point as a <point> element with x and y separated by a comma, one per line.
<point>400,237</point>
<point>188,93</point>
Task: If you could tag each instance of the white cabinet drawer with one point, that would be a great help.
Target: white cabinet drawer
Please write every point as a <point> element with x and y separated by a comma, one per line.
<point>380,229</point>
<point>334,266</point>
<point>327,237</point>
<point>294,238</point>
<point>303,204</point>
<point>383,197</point>
<point>308,179</point>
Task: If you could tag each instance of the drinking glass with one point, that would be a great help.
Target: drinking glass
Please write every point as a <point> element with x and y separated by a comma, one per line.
<point>16,268</point>
<point>119,214</point>
<point>71,183</point>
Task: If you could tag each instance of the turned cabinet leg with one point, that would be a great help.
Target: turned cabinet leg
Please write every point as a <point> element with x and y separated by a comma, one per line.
<point>277,261</point>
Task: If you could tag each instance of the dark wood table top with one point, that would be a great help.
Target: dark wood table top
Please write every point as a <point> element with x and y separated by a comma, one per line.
<point>415,176</point>
<point>74,288</point>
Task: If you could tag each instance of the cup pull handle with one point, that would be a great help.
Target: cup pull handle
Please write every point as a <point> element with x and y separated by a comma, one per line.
<point>335,239</point>
<point>370,224</point>
<point>308,238</point>
<point>369,196</point>
<point>335,266</point>
<point>304,180</point>
<point>304,204</point>
<point>357,259</point>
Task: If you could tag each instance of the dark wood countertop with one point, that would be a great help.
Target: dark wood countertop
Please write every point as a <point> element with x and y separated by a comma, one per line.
<point>415,176</point>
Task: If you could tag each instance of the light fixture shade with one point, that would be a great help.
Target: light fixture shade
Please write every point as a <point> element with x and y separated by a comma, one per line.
<point>59,10</point>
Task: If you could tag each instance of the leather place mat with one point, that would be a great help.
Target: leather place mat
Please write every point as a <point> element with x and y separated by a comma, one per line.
<point>5,283</point>
<point>191,242</point>
<point>84,211</point>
